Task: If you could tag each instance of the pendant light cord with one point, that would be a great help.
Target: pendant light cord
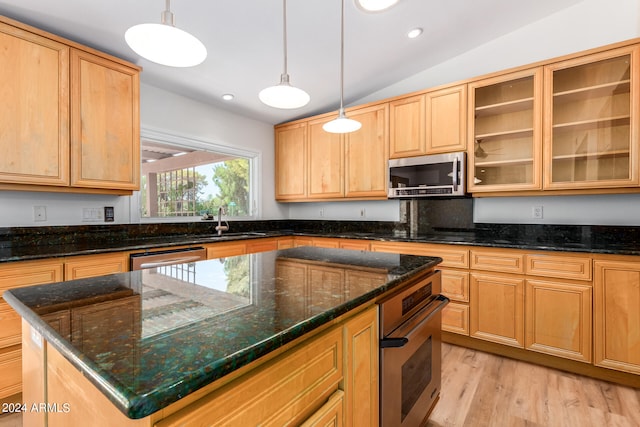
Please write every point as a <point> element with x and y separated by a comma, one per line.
<point>284,33</point>
<point>341,57</point>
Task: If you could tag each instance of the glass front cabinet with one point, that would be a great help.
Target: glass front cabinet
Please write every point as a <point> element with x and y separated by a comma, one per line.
<point>591,115</point>
<point>506,133</point>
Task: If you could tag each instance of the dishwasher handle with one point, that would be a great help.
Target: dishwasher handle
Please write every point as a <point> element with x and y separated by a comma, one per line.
<point>170,262</point>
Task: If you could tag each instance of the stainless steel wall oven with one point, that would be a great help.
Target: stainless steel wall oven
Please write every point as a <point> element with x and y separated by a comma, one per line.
<point>410,353</point>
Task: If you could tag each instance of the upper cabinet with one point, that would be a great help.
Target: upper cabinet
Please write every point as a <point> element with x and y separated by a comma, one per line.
<point>428,123</point>
<point>505,132</point>
<point>70,115</point>
<point>591,115</point>
<point>312,164</point>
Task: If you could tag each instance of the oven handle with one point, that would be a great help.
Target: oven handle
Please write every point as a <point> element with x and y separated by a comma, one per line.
<point>456,179</point>
<point>172,261</point>
<point>391,342</point>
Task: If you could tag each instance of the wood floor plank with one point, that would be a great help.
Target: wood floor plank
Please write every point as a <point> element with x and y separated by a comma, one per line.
<point>481,389</point>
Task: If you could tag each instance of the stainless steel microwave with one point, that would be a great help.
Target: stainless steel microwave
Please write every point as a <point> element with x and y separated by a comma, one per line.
<point>427,176</point>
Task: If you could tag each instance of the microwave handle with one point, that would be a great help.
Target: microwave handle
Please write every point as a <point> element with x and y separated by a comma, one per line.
<point>456,176</point>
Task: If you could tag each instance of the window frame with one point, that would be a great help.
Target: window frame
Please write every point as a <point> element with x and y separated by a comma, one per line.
<point>190,142</point>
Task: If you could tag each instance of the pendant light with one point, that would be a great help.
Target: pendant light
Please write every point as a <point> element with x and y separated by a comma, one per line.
<point>342,124</point>
<point>284,95</point>
<point>375,5</point>
<point>165,44</point>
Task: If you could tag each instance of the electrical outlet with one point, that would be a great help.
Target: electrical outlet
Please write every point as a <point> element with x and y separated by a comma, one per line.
<point>92,214</point>
<point>536,212</point>
<point>39,213</point>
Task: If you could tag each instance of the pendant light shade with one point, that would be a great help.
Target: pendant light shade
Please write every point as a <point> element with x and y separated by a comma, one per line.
<point>375,5</point>
<point>342,124</point>
<point>166,44</point>
<point>284,95</point>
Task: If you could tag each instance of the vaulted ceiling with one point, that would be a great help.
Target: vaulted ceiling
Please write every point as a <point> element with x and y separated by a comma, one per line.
<point>245,49</point>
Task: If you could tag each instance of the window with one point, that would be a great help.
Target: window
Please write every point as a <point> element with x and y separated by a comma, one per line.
<point>189,179</point>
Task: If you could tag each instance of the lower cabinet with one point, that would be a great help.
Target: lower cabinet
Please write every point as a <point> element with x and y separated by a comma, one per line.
<point>497,308</point>
<point>558,319</point>
<point>617,315</point>
<point>455,315</point>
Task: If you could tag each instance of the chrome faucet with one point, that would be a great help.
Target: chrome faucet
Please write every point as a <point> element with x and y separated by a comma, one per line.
<point>220,228</point>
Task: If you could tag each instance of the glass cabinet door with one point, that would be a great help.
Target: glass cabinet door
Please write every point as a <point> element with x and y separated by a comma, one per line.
<point>505,133</point>
<point>590,130</point>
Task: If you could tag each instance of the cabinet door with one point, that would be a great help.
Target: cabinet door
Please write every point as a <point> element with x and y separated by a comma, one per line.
<point>455,318</point>
<point>325,162</point>
<point>558,319</point>
<point>105,123</point>
<point>616,315</point>
<point>367,153</point>
<point>407,127</point>
<point>505,132</point>
<point>591,117</point>
<point>34,113</point>
<point>220,250</point>
<point>446,120</point>
<point>497,308</point>
<point>291,162</point>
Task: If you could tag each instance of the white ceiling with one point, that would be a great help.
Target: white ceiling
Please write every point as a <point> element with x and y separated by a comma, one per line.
<point>244,42</point>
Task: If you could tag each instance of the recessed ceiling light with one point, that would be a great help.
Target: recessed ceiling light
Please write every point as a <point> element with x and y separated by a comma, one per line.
<point>227,97</point>
<point>412,34</point>
<point>375,5</point>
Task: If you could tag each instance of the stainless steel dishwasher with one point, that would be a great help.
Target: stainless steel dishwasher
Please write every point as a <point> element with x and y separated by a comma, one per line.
<point>142,260</point>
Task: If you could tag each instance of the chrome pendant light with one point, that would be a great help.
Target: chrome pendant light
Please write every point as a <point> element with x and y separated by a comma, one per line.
<point>342,124</point>
<point>284,95</point>
<point>165,44</point>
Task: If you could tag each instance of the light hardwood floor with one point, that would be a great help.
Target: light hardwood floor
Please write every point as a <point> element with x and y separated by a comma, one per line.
<point>481,389</point>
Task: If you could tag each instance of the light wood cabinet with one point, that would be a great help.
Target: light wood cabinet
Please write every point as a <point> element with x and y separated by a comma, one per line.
<point>499,260</point>
<point>225,249</point>
<point>591,120</point>
<point>331,413</point>
<point>505,132</point>
<point>325,162</point>
<point>616,315</point>
<point>78,128</point>
<point>105,123</point>
<point>291,162</point>
<point>497,308</point>
<point>15,275</point>
<point>367,153</point>
<point>446,120</point>
<point>407,127</point>
<point>558,318</point>
<point>82,267</point>
<point>35,118</point>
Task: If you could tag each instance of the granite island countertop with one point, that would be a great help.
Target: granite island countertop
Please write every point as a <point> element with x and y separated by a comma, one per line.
<point>157,335</point>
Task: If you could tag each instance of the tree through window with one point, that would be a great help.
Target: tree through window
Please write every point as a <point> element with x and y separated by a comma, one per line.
<point>186,182</point>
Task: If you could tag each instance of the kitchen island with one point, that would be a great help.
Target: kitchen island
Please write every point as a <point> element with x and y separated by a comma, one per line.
<point>273,337</point>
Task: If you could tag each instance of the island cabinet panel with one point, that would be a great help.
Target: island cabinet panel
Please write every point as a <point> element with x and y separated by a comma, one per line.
<point>105,129</point>
<point>558,319</point>
<point>497,308</point>
<point>82,267</point>
<point>34,118</point>
<point>331,414</point>
<point>284,391</point>
<point>616,315</point>
<point>291,162</point>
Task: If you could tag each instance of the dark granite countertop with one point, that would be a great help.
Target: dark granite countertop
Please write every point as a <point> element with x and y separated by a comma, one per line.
<point>49,242</point>
<point>159,334</point>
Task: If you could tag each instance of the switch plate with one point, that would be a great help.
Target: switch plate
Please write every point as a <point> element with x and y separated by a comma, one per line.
<point>39,213</point>
<point>109,214</point>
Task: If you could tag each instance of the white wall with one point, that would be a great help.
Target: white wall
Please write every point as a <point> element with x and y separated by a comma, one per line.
<point>173,114</point>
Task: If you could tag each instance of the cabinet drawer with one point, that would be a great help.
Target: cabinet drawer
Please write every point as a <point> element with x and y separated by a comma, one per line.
<point>95,265</point>
<point>295,385</point>
<point>455,318</point>
<point>10,371</point>
<point>262,245</point>
<point>563,267</point>
<point>220,250</point>
<point>455,285</point>
<point>330,414</point>
<point>451,257</point>
<point>501,261</point>
<point>27,273</point>
<point>10,329</point>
